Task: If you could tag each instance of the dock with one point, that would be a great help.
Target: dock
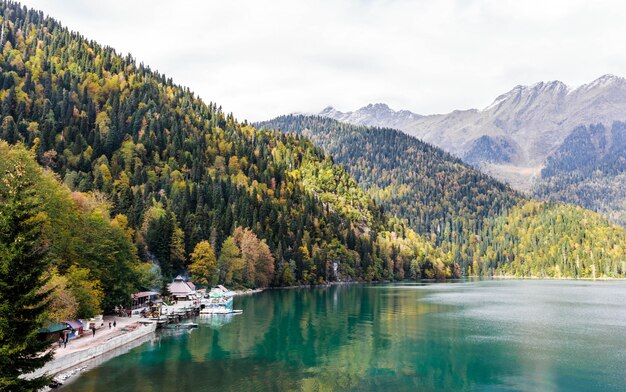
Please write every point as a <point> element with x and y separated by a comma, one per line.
<point>175,313</point>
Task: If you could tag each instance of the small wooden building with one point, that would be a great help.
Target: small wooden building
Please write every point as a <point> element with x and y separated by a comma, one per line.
<point>182,290</point>
<point>145,299</point>
<point>53,331</point>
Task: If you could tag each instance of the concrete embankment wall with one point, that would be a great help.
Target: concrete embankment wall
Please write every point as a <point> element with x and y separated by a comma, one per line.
<point>75,359</point>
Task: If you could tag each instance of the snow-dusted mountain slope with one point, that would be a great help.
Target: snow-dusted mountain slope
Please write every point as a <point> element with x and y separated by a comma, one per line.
<point>511,138</point>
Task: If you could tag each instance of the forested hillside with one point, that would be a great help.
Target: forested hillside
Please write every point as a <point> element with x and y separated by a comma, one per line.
<point>187,183</point>
<point>484,225</point>
<point>551,240</point>
<point>180,171</point>
<point>94,264</point>
<point>436,193</point>
<point>589,169</point>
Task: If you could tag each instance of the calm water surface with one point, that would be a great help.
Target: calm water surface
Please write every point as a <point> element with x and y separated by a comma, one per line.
<point>466,336</point>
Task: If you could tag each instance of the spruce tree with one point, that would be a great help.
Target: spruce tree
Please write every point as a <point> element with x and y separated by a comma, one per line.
<point>23,262</point>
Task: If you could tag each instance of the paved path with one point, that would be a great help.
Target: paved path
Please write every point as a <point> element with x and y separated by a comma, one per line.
<point>105,333</point>
<point>102,335</point>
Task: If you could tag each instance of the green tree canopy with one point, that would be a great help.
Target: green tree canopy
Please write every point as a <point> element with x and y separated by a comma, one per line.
<point>230,262</point>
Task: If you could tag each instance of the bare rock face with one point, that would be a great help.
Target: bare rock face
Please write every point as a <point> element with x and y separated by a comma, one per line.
<point>377,115</point>
<point>511,138</point>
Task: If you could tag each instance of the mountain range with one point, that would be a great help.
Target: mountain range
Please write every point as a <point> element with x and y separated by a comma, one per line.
<point>330,201</point>
<point>514,136</point>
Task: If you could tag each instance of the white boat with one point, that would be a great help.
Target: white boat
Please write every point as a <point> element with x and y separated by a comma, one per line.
<point>218,301</point>
<point>215,310</point>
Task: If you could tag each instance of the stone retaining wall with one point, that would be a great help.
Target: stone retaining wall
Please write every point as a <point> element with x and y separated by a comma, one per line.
<point>66,362</point>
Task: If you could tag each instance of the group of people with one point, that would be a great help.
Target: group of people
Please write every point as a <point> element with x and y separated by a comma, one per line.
<point>65,335</point>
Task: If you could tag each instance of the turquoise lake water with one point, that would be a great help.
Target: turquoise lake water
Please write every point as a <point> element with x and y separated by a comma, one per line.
<point>508,335</point>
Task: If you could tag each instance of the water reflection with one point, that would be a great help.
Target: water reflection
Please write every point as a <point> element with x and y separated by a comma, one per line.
<point>438,337</point>
<point>215,321</point>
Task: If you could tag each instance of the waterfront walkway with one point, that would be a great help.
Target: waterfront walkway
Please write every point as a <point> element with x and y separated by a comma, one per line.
<point>88,347</point>
<point>103,334</point>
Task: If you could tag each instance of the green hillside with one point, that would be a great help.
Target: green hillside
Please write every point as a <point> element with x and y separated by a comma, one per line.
<point>537,239</point>
<point>589,169</point>
<point>467,213</point>
<point>181,171</point>
<point>436,193</point>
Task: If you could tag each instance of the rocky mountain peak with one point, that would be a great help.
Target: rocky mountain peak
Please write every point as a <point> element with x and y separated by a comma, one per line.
<point>377,106</point>
<point>521,128</point>
<point>528,94</point>
<point>603,82</point>
<point>375,114</point>
<point>329,111</point>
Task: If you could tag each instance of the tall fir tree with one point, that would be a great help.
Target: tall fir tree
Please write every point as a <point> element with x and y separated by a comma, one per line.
<point>23,263</point>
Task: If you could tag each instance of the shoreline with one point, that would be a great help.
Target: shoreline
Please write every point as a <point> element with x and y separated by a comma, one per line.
<point>239,293</point>
<point>330,284</point>
<point>467,278</point>
<point>66,368</point>
<point>513,277</point>
<point>70,362</point>
<point>68,375</point>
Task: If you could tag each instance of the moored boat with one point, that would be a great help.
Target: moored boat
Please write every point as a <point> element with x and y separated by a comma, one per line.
<point>217,301</point>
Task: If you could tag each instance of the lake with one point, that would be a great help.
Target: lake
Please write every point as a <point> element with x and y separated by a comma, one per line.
<point>494,335</point>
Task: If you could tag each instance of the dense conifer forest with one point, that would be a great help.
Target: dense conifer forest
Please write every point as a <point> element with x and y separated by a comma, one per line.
<point>538,239</point>
<point>134,158</point>
<point>483,224</point>
<point>436,193</point>
<point>589,169</point>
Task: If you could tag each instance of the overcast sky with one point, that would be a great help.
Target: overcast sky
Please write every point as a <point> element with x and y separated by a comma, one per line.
<point>259,59</point>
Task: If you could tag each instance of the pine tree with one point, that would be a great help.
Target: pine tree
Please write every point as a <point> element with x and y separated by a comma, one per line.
<point>23,262</point>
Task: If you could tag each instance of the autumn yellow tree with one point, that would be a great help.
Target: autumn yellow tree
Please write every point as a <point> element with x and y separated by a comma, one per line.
<point>87,291</point>
<point>257,259</point>
<point>203,268</point>
<point>63,305</point>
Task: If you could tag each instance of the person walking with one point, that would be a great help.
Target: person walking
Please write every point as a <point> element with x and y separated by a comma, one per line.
<point>60,341</point>
<point>109,325</point>
<point>114,323</point>
<point>93,331</point>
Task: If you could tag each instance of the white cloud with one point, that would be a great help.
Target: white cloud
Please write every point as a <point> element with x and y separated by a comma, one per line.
<point>260,59</point>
